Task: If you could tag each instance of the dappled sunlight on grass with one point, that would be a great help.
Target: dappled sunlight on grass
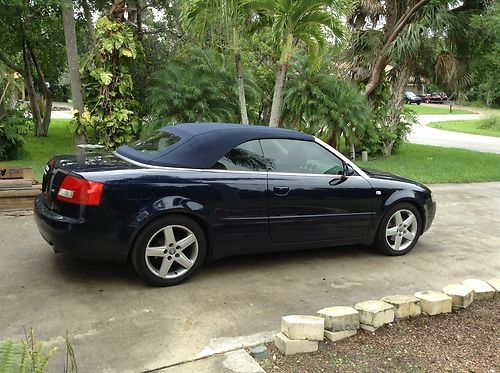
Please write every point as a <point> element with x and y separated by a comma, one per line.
<point>38,150</point>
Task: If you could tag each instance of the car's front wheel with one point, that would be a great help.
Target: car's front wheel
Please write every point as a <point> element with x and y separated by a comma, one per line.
<point>169,250</point>
<point>399,229</point>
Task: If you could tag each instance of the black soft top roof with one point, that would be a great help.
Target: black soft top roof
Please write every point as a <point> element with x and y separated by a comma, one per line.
<point>203,144</point>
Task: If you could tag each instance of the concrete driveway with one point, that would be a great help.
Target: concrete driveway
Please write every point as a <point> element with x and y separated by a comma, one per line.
<point>118,324</point>
<point>422,134</point>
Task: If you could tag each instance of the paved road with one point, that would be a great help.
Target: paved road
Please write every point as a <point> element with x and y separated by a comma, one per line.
<point>421,134</point>
<point>118,324</point>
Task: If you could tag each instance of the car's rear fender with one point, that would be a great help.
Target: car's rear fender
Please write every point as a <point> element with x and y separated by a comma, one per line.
<point>169,205</point>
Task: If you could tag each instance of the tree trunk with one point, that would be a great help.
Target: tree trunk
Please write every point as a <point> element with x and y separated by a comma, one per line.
<point>241,89</point>
<point>333,141</point>
<point>73,64</point>
<point>47,94</point>
<point>376,73</point>
<point>140,31</point>
<point>392,30</point>
<point>30,88</point>
<point>397,87</point>
<point>279,88</point>
<point>88,19</point>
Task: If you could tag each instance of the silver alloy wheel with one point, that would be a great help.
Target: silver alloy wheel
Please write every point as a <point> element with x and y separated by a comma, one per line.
<point>171,251</point>
<point>401,230</point>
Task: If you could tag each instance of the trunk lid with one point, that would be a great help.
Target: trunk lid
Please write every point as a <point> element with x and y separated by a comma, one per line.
<point>61,165</point>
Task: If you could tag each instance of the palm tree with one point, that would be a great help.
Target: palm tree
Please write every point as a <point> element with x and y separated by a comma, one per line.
<point>226,20</point>
<point>321,103</point>
<point>311,22</point>
<point>394,28</point>
<point>201,90</point>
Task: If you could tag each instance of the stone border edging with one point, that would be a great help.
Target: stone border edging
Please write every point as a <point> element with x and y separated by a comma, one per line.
<point>302,333</point>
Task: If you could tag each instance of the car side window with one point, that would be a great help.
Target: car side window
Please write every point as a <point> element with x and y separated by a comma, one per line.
<point>245,157</point>
<point>304,157</point>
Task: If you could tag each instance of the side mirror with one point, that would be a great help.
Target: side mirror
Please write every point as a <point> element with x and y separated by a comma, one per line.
<point>348,170</point>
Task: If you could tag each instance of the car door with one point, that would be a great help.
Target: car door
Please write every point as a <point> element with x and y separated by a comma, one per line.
<point>239,181</point>
<point>310,199</point>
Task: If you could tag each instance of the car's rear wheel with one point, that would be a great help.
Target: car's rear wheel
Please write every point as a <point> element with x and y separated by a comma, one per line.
<point>399,229</point>
<point>169,251</point>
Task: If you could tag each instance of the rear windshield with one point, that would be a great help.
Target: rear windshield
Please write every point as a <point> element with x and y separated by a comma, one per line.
<point>156,143</point>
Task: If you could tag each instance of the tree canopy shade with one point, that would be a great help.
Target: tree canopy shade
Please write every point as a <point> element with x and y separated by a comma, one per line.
<point>27,28</point>
<point>310,22</point>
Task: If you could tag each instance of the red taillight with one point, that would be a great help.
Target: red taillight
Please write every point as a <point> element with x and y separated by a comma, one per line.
<point>81,191</point>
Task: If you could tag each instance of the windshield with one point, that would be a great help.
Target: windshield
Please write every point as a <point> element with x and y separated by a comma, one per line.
<point>156,143</point>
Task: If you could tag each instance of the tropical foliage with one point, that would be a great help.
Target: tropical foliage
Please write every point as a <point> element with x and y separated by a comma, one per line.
<point>319,102</point>
<point>107,85</point>
<point>14,126</point>
<point>256,61</point>
<point>310,22</point>
<point>224,21</point>
<point>201,89</point>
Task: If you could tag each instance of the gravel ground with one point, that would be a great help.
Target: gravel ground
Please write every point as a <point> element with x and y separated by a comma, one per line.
<point>463,341</point>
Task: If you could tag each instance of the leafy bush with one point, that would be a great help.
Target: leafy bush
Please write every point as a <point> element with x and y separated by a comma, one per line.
<point>14,126</point>
<point>389,126</point>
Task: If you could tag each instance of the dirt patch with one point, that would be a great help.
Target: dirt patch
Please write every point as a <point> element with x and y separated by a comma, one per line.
<point>463,341</point>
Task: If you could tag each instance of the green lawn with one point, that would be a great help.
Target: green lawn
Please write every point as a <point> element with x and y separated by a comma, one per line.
<point>434,164</point>
<point>445,109</point>
<point>38,150</point>
<point>467,126</point>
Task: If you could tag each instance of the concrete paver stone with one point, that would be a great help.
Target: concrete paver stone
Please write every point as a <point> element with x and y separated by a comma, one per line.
<point>303,327</point>
<point>482,290</point>
<point>337,336</point>
<point>495,283</point>
<point>289,346</point>
<point>405,305</point>
<point>461,295</point>
<point>374,313</point>
<point>434,302</point>
<point>339,318</point>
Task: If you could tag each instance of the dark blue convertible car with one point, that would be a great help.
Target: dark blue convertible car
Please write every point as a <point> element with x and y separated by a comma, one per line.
<point>197,192</point>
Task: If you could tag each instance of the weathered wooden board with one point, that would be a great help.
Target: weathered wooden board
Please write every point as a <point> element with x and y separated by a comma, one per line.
<point>21,198</point>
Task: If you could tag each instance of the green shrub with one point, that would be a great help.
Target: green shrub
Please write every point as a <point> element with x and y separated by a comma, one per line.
<point>14,126</point>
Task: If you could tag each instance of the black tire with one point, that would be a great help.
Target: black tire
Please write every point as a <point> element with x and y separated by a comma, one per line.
<point>418,102</point>
<point>151,232</point>
<point>381,239</point>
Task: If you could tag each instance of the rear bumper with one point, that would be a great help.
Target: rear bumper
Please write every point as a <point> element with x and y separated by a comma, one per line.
<point>77,237</point>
